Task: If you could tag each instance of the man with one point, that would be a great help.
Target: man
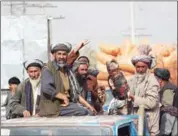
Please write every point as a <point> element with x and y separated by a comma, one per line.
<point>101,94</point>
<point>74,53</point>
<point>144,88</point>
<point>93,87</point>
<point>13,83</point>
<point>26,99</point>
<point>92,84</point>
<point>168,100</point>
<point>119,87</point>
<point>84,76</point>
<point>59,87</point>
<point>80,69</point>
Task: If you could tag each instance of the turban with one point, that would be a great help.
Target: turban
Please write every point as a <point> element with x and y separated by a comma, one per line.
<point>62,47</point>
<point>77,64</point>
<point>149,60</point>
<point>93,71</point>
<point>162,73</point>
<point>112,65</point>
<point>144,56</point>
<point>33,63</point>
<point>84,58</point>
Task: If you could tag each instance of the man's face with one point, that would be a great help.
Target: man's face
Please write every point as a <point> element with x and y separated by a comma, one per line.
<point>34,72</point>
<point>141,67</point>
<point>82,70</point>
<point>13,87</point>
<point>60,57</point>
<point>113,73</point>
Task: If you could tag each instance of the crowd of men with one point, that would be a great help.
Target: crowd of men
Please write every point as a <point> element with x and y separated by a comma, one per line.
<point>67,86</point>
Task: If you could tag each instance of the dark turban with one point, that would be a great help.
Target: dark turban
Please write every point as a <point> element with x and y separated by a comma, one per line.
<point>77,64</point>
<point>162,73</point>
<point>93,71</point>
<point>84,58</point>
<point>62,47</point>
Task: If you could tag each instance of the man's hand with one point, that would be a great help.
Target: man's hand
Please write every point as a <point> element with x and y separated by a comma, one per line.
<point>66,100</point>
<point>92,109</point>
<point>82,44</point>
<point>130,96</point>
<point>37,115</point>
<point>26,113</point>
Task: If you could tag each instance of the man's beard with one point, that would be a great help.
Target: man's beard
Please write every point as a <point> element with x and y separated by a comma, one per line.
<point>35,82</point>
<point>61,63</point>
<point>140,77</point>
<point>81,78</point>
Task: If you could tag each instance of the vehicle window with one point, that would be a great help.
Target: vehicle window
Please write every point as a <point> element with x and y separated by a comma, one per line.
<point>56,131</point>
<point>124,131</point>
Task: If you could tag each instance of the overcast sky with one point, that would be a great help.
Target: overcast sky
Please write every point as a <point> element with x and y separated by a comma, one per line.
<point>110,21</point>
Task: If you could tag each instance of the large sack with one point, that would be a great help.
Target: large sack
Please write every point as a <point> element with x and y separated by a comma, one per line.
<point>109,49</point>
<point>103,58</point>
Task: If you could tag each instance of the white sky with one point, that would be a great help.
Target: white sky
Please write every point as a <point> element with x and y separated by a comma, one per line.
<point>109,22</point>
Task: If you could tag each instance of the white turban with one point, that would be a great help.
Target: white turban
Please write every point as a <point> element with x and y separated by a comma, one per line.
<point>144,56</point>
<point>34,63</point>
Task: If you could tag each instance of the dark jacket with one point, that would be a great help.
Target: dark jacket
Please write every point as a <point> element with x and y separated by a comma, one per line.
<point>171,108</point>
<point>52,84</point>
<point>19,102</point>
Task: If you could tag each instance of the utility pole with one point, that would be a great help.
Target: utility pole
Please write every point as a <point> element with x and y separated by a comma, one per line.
<point>132,22</point>
<point>133,31</point>
<point>49,31</point>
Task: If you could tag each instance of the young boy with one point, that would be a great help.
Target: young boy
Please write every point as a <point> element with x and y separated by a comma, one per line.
<point>13,83</point>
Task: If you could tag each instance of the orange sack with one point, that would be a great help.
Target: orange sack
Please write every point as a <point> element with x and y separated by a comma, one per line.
<point>103,58</point>
<point>102,76</point>
<point>103,83</point>
<point>109,49</point>
<point>123,67</point>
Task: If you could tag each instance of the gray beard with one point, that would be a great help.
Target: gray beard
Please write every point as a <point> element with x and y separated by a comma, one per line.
<point>35,82</point>
<point>61,64</point>
<point>140,77</point>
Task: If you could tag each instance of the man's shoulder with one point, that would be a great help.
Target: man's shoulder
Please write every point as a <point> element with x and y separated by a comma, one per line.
<point>24,82</point>
<point>152,79</point>
<point>21,86</point>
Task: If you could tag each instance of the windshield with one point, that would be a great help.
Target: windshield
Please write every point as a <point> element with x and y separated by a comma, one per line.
<point>56,131</point>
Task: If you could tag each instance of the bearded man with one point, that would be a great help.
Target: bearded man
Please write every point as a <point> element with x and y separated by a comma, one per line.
<point>25,102</point>
<point>80,69</point>
<point>60,88</point>
<point>144,88</point>
<point>168,103</point>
